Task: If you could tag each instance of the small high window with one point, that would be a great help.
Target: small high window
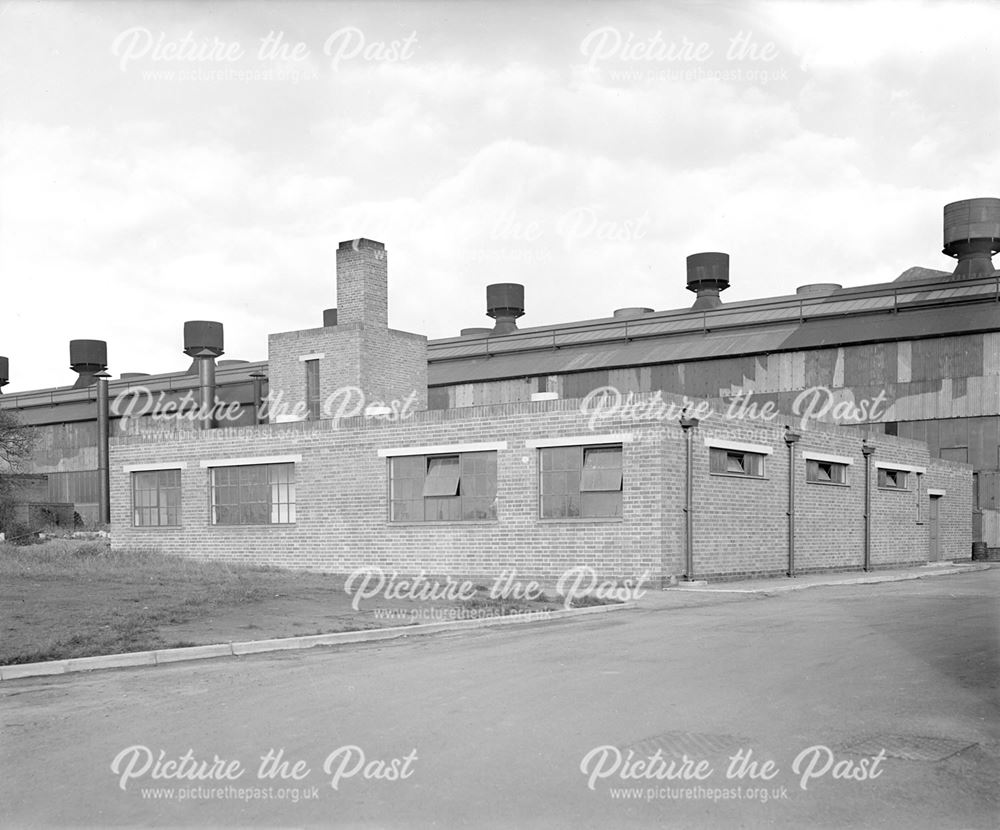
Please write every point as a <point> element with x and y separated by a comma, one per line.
<point>892,479</point>
<point>825,472</point>
<point>736,463</point>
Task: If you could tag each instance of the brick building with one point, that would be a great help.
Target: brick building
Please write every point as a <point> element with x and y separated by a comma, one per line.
<point>534,486</point>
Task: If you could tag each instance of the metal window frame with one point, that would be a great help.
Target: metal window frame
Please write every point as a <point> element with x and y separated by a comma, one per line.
<point>289,505</point>
<point>158,489</point>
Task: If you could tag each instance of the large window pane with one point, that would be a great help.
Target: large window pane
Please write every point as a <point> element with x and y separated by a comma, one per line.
<point>443,488</point>
<point>253,494</point>
<point>156,498</point>
<point>580,482</point>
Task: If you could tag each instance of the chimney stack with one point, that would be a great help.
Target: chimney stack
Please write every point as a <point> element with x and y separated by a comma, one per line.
<point>362,284</point>
<point>203,341</point>
<point>505,303</point>
<point>707,276</point>
<point>972,235</point>
<point>87,358</point>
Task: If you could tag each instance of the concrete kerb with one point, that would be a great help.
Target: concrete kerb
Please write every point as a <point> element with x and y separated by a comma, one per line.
<point>820,582</point>
<point>176,655</point>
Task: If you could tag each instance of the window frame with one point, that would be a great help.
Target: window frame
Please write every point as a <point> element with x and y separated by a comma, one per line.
<point>597,487</point>
<point>438,506</point>
<point>882,474</point>
<point>158,507</point>
<point>312,394</point>
<point>730,452</point>
<point>816,463</point>
<point>243,506</point>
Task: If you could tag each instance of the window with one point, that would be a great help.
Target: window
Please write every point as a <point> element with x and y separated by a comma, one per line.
<point>891,479</point>
<point>156,498</point>
<point>253,494</point>
<point>736,463</point>
<point>825,472</point>
<point>443,488</point>
<point>581,482</point>
<point>312,389</point>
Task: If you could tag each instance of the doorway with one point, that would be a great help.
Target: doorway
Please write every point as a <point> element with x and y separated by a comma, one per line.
<point>934,553</point>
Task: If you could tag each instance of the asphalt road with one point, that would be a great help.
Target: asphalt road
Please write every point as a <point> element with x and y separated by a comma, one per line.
<point>534,726</point>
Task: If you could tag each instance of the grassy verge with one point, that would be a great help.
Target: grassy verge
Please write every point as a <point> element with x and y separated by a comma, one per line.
<point>64,599</point>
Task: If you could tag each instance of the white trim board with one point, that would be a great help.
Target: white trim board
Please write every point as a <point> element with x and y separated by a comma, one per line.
<point>906,468</point>
<point>314,356</point>
<point>809,455</point>
<point>396,452</point>
<point>160,465</point>
<point>579,440</point>
<point>260,459</point>
<point>739,446</point>
<point>932,491</point>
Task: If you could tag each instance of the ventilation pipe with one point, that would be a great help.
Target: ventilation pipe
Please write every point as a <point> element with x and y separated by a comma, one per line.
<point>505,303</point>
<point>707,276</point>
<point>87,358</point>
<point>203,341</point>
<point>4,373</point>
<point>972,235</point>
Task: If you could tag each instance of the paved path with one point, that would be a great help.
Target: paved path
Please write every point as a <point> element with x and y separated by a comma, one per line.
<point>490,728</point>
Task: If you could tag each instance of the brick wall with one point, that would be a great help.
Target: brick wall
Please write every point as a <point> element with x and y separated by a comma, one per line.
<point>740,524</point>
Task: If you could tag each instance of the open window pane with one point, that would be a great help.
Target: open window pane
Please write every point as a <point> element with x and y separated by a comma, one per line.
<point>442,476</point>
<point>443,488</point>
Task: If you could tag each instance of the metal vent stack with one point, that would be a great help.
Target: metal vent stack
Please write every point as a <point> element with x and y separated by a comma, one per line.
<point>972,235</point>
<point>87,358</point>
<point>505,303</point>
<point>707,276</point>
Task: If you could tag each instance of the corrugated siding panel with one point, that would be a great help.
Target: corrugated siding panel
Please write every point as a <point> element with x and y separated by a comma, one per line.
<point>947,357</point>
<point>579,384</point>
<point>991,353</point>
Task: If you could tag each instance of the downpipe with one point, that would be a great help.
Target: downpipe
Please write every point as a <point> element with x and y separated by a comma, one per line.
<point>791,439</point>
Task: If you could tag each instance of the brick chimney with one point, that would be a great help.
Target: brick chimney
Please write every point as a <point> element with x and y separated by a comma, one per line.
<point>362,284</point>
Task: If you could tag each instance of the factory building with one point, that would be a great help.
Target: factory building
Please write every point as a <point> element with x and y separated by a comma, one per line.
<point>904,373</point>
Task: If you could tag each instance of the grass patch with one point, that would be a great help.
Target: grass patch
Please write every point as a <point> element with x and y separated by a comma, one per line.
<point>68,598</point>
<point>63,599</point>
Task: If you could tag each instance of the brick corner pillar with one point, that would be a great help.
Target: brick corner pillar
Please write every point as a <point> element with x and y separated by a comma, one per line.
<point>362,284</point>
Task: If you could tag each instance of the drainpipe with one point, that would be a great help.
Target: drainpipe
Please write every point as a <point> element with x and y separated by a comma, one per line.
<point>791,438</point>
<point>258,392</point>
<point>103,431</point>
<point>869,451</point>
<point>689,425</point>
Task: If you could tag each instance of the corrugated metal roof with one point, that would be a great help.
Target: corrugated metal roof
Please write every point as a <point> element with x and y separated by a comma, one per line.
<point>811,334</point>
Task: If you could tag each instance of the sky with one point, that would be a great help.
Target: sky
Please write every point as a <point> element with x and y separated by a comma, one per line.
<point>172,161</point>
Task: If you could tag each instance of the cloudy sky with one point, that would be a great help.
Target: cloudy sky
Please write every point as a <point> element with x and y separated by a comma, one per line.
<point>167,161</point>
